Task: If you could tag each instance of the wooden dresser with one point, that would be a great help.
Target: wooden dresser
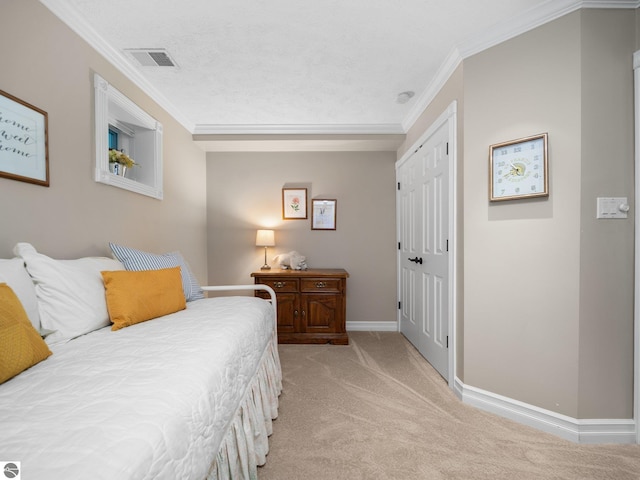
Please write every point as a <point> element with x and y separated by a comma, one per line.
<point>311,304</point>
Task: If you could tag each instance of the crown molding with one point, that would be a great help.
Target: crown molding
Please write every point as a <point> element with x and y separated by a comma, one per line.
<point>300,143</point>
<point>534,18</point>
<point>337,129</point>
<point>503,31</point>
<point>518,25</point>
<point>426,97</point>
<point>610,3</point>
<point>75,22</point>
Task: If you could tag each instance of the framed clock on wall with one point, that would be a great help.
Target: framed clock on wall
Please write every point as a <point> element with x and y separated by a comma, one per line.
<point>519,169</point>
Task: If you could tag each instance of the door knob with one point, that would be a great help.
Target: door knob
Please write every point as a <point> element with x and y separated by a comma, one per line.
<point>416,260</point>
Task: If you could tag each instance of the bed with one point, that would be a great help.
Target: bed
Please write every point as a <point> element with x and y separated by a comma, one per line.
<point>188,395</point>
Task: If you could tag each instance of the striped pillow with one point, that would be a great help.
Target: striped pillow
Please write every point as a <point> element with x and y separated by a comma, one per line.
<point>137,260</point>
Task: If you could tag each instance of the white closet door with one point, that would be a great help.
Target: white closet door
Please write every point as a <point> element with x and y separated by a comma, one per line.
<point>423,199</point>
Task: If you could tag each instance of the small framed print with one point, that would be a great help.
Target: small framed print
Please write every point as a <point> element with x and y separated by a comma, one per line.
<point>24,152</point>
<point>294,203</point>
<point>519,169</point>
<point>323,215</point>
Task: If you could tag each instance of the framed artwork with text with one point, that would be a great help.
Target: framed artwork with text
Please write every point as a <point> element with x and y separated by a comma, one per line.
<point>24,152</point>
<point>323,214</point>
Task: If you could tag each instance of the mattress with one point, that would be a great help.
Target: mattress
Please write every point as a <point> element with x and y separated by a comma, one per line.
<point>154,400</point>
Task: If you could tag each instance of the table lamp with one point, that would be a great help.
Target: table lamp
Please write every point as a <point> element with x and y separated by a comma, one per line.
<point>265,238</point>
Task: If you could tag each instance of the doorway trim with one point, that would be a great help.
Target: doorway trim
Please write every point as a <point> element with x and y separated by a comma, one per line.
<point>450,117</point>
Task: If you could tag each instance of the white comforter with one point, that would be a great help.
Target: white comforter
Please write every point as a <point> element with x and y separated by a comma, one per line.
<point>149,401</point>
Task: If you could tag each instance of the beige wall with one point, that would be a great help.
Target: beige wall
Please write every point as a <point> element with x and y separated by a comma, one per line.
<point>522,259</point>
<point>548,289</point>
<point>606,246</point>
<point>44,63</point>
<point>637,17</point>
<point>244,194</point>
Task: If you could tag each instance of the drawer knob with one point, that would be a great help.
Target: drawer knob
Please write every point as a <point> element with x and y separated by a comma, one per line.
<point>278,284</point>
<point>321,284</point>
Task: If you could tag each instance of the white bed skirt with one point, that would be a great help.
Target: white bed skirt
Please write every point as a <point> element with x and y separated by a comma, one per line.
<point>246,443</point>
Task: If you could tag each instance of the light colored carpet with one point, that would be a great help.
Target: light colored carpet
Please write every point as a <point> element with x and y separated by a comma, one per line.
<point>377,410</point>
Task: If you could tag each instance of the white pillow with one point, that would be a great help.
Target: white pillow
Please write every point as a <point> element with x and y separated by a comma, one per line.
<point>13,273</point>
<point>71,295</point>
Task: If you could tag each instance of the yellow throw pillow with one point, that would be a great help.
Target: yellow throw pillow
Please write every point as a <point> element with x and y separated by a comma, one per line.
<point>21,346</point>
<point>138,296</point>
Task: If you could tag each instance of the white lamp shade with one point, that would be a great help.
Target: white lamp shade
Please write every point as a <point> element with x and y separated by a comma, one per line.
<point>265,238</point>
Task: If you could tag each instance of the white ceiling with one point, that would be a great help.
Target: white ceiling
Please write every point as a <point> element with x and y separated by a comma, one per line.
<point>296,66</point>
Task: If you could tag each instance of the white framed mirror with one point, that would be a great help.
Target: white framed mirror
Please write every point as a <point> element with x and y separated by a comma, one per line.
<point>122,125</point>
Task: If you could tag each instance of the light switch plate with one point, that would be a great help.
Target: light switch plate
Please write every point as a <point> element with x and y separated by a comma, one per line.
<point>612,207</point>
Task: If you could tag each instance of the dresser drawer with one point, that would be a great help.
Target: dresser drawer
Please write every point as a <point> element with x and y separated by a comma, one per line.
<point>280,284</point>
<point>317,285</point>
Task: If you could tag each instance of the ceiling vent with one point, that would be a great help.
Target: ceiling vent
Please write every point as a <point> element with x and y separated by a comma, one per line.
<point>151,57</point>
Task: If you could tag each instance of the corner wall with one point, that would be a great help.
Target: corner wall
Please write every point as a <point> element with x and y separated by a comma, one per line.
<point>606,246</point>
<point>549,289</point>
<point>47,65</point>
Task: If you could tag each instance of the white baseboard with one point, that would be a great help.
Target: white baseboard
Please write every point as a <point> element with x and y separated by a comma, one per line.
<point>578,431</point>
<point>372,326</point>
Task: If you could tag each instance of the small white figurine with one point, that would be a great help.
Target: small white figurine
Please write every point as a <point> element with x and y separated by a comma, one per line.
<point>292,260</point>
